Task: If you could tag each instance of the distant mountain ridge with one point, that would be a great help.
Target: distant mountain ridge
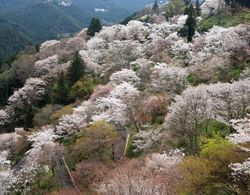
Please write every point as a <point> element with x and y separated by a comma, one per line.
<point>33,21</point>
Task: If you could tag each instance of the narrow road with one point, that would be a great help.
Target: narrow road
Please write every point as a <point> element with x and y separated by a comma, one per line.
<point>120,144</point>
<point>62,173</point>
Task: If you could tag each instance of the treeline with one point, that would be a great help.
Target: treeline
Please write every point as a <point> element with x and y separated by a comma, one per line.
<point>11,42</point>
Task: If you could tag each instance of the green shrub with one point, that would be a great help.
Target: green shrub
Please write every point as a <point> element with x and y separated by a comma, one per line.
<point>43,115</point>
<point>94,143</point>
<point>47,181</point>
<point>233,72</point>
<point>158,120</point>
<point>209,173</point>
<point>82,89</point>
<point>175,7</point>
<point>71,162</point>
<point>208,23</point>
<point>70,140</point>
<point>193,79</point>
<point>214,127</point>
<point>225,20</point>
<point>247,17</point>
<point>54,117</point>
<point>44,182</point>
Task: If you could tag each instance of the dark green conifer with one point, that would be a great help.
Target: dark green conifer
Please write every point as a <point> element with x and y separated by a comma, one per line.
<point>61,90</point>
<point>190,26</point>
<point>94,27</point>
<point>156,8</point>
<point>27,118</point>
<point>197,8</point>
<point>76,69</point>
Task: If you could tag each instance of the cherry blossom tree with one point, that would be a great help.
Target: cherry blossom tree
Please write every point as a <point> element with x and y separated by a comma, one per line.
<point>241,171</point>
<point>230,100</point>
<point>21,179</point>
<point>39,139</point>
<point>145,141</point>
<point>212,6</point>
<point>220,42</point>
<point>116,106</point>
<point>5,172</point>
<point>242,127</point>
<point>110,33</point>
<point>111,109</point>
<point>101,91</point>
<point>125,75</point>
<point>222,101</point>
<point>33,91</point>
<point>96,43</point>
<point>172,79</point>
<point>92,59</point>
<point>111,106</point>
<point>63,48</point>
<point>219,39</point>
<point>48,44</point>
<point>136,30</point>
<point>191,108</point>
<point>164,162</point>
<point>8,140</point>
<point>157,174</point>
<point>121,53</point>
<point>69,124</point>
<point>143,68</point>
<point>3,117</point>
<point>181,48</point>
<point>22,175</point>
<point>50,66</point>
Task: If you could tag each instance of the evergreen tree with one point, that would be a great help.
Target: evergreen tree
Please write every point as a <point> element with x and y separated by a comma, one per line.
<point>94,27</point>
<point>60,90</point>
<point>27,118</point>
<point>156,7</point>
<point>197,8</point>
<point>76,69</point>
<point>187,2</point>
<point>190,26</point>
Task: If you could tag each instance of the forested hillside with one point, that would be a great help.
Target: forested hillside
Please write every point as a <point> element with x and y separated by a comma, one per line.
<point>159,105</point>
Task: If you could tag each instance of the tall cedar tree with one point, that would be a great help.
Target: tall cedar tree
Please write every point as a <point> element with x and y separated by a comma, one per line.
<point>197,8</point>
<point>156,7</point>
<point>27,118</point>
<point>76,69</point>
<point>94,27</point>
<point>61,90</point>
<point>190,26</point>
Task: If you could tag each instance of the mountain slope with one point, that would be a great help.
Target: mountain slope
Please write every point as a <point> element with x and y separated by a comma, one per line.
<point>40,20</point>
<point>36,20</point>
